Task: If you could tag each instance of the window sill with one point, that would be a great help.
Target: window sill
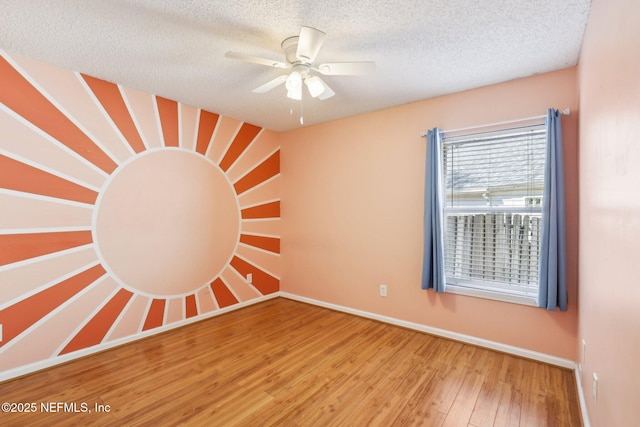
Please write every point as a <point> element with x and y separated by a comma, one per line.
<point>496,296</point>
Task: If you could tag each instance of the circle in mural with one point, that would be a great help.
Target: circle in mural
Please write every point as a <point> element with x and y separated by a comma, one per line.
<point>167,222</point>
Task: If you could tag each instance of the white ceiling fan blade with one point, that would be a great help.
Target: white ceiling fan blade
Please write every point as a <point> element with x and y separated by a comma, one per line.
<point>328,93</point>
<point>255,60</point>
<point>309,44</point>
<point>346,68</point>
<point>271,84</point>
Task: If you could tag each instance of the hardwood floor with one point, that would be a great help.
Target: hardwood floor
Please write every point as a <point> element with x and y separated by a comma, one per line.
<point>286,363</point>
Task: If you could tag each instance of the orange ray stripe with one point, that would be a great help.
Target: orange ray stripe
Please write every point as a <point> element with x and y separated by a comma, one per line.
<point>19,247</point>
<point>155,315</point>
<point>206,127</point>
<point>267,243</point>
<point>19,95</point>
<point>17,318</point>
<point>268,210</point>
<point>242,140</point>
<point>191,308</point>
<point>22,177</point>
<point>168,111</point>
<point>95,330</point>
<point>111,99</point>
<point>264,171</point>
<point>223,294</point>
<point>264,282</point>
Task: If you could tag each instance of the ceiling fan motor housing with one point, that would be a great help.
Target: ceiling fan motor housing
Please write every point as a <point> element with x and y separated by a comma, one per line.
<point>290,47</point>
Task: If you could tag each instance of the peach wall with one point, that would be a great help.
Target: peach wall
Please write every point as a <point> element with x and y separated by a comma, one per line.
<point>353,209</point>
<point>610,211</point>
<point>123,213</point>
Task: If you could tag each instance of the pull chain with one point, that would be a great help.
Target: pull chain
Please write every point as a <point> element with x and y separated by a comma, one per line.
<point>291,110</point>
<point>301,118</point>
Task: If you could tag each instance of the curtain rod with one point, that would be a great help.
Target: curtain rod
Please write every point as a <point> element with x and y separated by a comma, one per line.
<point>564,112</point>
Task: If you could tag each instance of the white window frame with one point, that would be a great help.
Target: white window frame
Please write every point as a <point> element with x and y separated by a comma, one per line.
<point>479,287</point>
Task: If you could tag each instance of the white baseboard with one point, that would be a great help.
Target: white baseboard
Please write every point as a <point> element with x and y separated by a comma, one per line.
<point>581,398</point>
<point>493,345</point>
<point>38,366</point>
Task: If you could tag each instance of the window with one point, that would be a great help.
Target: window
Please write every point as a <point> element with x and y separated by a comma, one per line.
<point>493,186</point>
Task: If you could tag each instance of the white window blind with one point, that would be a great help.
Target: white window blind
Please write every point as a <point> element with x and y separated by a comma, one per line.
<point>494,183</point>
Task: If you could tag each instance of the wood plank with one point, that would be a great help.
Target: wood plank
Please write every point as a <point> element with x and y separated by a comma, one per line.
<point>460,412</point>
<point>508,413</point>
<point>486,407</point>
<point>282,362</point>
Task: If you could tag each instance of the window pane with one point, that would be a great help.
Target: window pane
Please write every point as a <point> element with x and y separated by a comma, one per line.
<point>493,199</point>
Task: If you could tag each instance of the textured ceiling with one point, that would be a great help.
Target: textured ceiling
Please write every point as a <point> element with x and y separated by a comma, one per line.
<point>175,49</point>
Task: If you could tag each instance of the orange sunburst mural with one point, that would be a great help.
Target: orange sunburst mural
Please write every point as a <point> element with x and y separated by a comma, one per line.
<point>121,212</point>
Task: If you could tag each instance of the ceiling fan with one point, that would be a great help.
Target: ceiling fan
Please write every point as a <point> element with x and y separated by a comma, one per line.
<point>300,53</point>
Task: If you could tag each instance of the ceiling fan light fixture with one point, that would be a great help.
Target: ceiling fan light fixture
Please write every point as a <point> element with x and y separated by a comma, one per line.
<point>294,85</point>
<point>314,85</point>
<point>295,93</point>
<point>294,81</point>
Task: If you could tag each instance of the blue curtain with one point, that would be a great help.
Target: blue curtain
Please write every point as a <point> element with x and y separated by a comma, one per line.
<point>433,256</point>
<point>552,291</point>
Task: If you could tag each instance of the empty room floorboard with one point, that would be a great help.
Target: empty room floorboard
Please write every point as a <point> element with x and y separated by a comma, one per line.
<point>283,362</point>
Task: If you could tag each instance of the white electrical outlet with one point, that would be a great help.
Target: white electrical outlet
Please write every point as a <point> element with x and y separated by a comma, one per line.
<point>383,290</point>
<point>594,389</point>
<point>249,278</point>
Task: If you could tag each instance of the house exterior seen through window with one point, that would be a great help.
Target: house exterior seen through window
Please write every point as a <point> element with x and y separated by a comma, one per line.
<point>493,186</point>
